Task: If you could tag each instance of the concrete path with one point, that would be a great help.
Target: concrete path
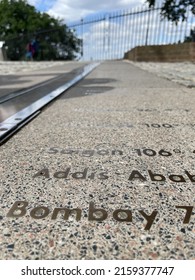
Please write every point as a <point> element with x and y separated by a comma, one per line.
<point>181,72</point>
<point>17,76</point>
<point>105,172</point>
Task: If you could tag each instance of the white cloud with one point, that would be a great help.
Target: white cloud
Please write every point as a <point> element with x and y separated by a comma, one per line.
<point>33,2</point>
<point>71,10</point>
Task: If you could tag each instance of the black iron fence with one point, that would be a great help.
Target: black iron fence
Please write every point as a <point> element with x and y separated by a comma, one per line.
<point>110,35</point>
<point>103,36</point>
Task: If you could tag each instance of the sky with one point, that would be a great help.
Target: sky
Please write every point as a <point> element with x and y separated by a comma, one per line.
<point>73,10</point>
<point>110,37</point>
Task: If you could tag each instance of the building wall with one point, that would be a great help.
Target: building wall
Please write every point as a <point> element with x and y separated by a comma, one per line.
<point>163,53</point>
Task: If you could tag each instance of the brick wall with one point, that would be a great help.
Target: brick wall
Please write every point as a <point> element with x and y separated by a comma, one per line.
<point>163,53</point>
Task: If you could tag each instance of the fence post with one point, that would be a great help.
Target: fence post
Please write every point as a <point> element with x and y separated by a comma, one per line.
<point>110,35</point>
<point>148,26</point>
<point>82,37</point>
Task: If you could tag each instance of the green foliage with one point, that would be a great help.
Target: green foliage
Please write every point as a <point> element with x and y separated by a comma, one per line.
<point>174,10</point>
<point>20,23</point>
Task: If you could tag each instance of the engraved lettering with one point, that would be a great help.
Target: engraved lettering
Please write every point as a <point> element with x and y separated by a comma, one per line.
<point>156,177</point>
<point>43,172</point>
<point>80,175</point>
<point>188,213</point>
<point>191,177</point>
<point>67,212</point>
<point>18,209</point>
<point>39,212</point>
<point>96,214</point>
<point>150,218</point>
<point>136,175</point>
<point>177,178</point>
<point>62,174</point>
<point>122,215</point>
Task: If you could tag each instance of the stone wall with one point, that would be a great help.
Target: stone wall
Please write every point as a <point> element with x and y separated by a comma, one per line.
<point>163,53</point>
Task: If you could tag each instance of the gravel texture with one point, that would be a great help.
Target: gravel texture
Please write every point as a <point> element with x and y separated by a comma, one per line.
<point>121,141</point>
<point>182,73</point>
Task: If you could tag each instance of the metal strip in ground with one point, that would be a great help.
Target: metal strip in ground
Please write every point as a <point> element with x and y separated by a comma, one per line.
<point>10,124</point>
<point>12,95</point>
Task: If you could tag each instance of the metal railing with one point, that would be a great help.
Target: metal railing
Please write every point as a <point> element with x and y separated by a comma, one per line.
<point>110,35</point>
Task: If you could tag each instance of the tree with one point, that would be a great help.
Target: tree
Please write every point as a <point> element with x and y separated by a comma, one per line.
<point>20,23</point>
<point>174,10</point>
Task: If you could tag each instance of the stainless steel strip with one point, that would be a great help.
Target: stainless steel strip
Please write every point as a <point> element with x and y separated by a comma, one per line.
<point>12,95</point>
<point>20,117</point>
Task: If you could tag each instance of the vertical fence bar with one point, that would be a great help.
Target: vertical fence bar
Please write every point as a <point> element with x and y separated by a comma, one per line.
<point>138,27</point>
<point>176,31</point>
<point>99,36</point>
<point>142,39</point>
<point>109,37</point>
<point>113,34</point>
<point>104,38</point>
<point>81,36</point>
<point>123,33</point>
<point>102,26</point>
<point>133,29</point>
<point>164,24</point>
<point>167,34</point>
<point>116,34</point>
<point>131,32</point>
<point>126,29</point>
<point>127,46</point>
<point>93,43</point>
<point>172,32</point>
<point>157,26</point>
<point>88,39</point>
<point>119,38</point>
<point>148,27</point>
<point>180,33</point>
<point>153,30</point>
<point>95,38</point>
<point>186,24</point>
<point>192,26</point>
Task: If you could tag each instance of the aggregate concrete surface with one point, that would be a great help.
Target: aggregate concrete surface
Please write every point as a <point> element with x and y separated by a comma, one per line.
<point>19,75</point>
<point>119,149</point>
<point>23,88</point>
<point>179,72</point>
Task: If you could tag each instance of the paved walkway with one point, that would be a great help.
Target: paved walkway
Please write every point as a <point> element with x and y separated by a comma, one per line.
<point>13,67</point>
<point>182,73</point>
<point>17,76</point>
<point>105,172</point>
